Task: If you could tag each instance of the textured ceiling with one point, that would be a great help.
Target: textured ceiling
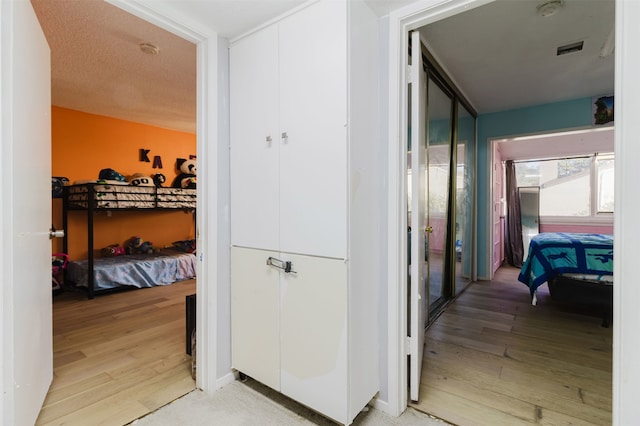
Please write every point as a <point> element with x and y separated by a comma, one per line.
<point>502,55</point>
<point>97,65</point>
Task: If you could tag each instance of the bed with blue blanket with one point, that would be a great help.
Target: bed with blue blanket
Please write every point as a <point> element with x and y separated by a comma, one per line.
<point>575,257</point>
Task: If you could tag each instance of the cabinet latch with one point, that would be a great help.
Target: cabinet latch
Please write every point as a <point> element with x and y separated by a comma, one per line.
<point>286,266</point>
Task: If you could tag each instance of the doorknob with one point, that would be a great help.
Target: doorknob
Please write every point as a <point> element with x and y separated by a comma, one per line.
<point>429,229</point>
<point>55,234</point>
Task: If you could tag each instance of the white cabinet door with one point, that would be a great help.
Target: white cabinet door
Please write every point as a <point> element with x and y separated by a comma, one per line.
<point>313,115</point>
<point>255,316</point>
<point>314,334</point>
<point>255,158</point>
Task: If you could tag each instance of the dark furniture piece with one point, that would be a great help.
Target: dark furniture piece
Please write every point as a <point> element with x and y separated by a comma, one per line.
<point>190,303</point>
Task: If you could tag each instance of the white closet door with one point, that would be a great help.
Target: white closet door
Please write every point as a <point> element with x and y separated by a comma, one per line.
<point>314,334</point>
<point>255,158</point>
<point>255,316</point>
<point>313,118</point>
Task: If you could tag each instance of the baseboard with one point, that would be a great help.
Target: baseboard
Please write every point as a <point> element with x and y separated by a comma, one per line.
<point>383,406</point>
<point>230,377</point>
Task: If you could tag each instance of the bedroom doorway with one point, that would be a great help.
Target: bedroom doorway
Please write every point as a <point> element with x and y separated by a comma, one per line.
<point>129,309</point>
<point>565,171</point>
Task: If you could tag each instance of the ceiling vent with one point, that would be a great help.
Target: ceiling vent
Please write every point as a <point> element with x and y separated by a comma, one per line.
<point>549,8</point>
<point>570,48</point>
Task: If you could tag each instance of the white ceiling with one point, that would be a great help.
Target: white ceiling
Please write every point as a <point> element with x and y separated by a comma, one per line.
<point>502,55</point>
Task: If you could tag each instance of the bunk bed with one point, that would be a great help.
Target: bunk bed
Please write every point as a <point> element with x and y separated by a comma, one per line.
<point>102,274</point>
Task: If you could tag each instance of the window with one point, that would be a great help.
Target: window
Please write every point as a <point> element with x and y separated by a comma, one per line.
<point>604,167</point>
<point>574,187</point>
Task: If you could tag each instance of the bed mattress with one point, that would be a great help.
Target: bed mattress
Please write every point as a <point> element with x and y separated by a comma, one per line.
<point>138,270</point>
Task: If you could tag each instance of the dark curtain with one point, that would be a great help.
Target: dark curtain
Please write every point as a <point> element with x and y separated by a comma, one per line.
<point>514,249</point>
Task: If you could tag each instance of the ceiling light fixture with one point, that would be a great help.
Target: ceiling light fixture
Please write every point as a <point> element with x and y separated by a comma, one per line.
<point>549,8</point>
<point>149,48</point>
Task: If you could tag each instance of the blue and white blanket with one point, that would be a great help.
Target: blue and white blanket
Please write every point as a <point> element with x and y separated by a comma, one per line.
<point>551,254</point>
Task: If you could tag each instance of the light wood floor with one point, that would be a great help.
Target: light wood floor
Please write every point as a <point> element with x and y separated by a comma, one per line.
<point>493,359</point>
<point>117,357</point>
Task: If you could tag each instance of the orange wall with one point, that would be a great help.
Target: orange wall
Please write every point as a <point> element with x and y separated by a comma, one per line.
<point>83,144</point>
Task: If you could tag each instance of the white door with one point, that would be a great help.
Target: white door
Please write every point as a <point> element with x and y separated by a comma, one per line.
<point>313,119</point>
<point>255,142</point>
<point>26,214</point>
<point>255,315</point>
<point>314,334</point>
<point>417,278</point>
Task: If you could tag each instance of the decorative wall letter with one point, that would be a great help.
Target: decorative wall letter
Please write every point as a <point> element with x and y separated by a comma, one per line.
<point>157,162</point>
<point>144,155</point>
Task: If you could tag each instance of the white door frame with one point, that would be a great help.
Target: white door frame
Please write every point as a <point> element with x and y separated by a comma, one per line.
<point>626,342</point>
<point>210,202</point>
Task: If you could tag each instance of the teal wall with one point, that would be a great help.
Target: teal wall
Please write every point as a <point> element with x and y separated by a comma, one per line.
<point>536,119</point>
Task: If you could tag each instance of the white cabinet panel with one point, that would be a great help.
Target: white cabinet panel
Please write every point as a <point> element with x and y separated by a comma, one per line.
<point>255,159</point>
<point>310,334</point>
<point>314,334</point>
<point>313,114</point>
<point>255,316</point>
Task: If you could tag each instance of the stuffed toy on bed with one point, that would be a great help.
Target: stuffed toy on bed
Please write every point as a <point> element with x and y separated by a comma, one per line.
<point>140,179</point>
<point>113,250</point>
<point>137,245</point>
<point>187,176</point>
<point>159,179</point>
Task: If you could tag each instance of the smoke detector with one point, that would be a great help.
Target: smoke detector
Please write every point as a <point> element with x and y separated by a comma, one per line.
<point>149,48</point>
<point>549,8</point>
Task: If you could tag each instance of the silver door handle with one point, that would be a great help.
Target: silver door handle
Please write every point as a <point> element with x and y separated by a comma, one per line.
<point>285,137</point>
<point>53,233</point>
<point>286,266</point>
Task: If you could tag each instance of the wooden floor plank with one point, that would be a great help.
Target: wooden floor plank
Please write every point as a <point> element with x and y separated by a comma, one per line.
<point>461,411</point>
<point>492,358</point>
<point>510,407</point>
<point>119,356</point>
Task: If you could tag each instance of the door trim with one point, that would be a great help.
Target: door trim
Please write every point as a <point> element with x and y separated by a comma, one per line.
<point>212,227</point>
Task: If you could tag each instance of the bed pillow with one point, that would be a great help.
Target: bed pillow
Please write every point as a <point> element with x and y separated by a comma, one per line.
<point>187,246</point>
